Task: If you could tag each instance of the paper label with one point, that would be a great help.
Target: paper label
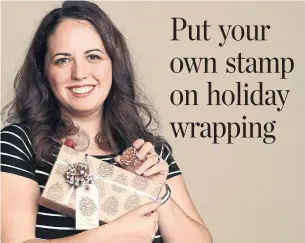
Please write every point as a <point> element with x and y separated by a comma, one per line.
<point>87,207</point>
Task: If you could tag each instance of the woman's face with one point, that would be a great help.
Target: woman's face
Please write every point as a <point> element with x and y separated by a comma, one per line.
<point>78,68</point>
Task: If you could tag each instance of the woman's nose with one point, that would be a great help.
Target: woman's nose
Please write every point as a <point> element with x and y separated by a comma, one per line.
<point>79,70</point>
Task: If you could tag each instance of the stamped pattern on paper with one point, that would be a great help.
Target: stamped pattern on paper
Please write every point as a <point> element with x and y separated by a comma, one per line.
<point>140,183</point>
<point>87,206</point>
<point>120,179</point>
<point>56,192</point>
<point>132,202</point>
<point>61,169</point>
<point>105,170</point>
<point>111,206</point>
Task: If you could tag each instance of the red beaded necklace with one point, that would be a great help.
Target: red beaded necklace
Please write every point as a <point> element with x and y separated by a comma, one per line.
<point>70,143</point>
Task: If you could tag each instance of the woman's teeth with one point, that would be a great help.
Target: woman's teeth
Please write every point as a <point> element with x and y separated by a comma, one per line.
<point>82,90</point>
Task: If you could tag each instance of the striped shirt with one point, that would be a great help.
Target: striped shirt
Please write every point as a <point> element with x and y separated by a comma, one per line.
<point>18,157</point>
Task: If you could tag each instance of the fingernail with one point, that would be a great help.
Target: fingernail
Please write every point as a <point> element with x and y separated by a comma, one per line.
<point>137,172</point>
<point>139,156</point>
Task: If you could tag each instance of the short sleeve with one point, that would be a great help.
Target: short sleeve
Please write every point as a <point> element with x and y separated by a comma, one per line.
<point>165,153</point>
<point>17,155</point>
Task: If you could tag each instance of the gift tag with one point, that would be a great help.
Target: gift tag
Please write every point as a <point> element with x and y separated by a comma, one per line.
<point>87,207</point>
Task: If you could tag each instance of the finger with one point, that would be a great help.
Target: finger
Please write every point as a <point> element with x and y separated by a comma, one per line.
<point>160,168</point>
<point>148,147</point>
<point>138,143</point>
<point>151,161</point>
<point>118,159</point>
<point>148,208</point>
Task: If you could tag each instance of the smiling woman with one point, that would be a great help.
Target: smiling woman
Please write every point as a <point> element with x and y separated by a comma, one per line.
<point>78,68</point>
<point>77,87</point>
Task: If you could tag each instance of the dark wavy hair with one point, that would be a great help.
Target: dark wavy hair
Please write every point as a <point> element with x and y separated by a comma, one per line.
<point>127,113</point>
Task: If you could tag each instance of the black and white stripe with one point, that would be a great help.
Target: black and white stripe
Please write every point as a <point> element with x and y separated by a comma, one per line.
<point>164,152</point>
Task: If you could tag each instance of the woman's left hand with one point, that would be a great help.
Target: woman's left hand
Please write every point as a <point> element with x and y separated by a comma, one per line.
<point>149,163</point>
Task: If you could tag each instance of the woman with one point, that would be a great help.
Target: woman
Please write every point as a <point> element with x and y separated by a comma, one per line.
<point>77,85</point>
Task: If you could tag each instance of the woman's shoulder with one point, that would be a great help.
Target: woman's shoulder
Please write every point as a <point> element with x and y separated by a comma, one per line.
<point>16,128</point>
<point>165,151</point>
<point>17,155</point>
<point>15,140</point>
<point>162,146</point>
<point>16,132</point>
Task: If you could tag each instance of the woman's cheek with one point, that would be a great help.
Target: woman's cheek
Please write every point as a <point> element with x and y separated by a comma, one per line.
<point>58,79</point>
<point>103,75</point>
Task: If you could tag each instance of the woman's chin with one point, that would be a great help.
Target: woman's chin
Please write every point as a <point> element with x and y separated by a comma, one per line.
<point>84,110</point>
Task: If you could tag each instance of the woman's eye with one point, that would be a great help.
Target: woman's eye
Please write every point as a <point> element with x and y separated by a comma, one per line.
<point>62,61</point>
<point>94,57</point>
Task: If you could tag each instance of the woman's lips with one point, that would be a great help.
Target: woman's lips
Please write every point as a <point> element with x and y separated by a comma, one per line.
<point>82,92</point>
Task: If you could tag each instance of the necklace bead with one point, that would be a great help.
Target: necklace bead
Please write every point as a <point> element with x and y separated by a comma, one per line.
<point>70,143</point>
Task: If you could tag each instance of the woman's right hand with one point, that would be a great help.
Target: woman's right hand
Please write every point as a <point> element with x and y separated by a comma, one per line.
<point>137,226</point>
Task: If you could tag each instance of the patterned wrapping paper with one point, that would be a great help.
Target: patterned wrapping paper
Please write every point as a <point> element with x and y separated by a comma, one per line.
<point>120,191</point>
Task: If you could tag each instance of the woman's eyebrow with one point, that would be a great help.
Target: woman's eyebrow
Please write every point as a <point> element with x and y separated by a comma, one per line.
<point>86,52</point>
<point>62,54</point>
<point>68,54</point>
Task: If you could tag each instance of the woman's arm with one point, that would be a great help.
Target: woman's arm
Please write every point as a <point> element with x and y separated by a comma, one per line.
<point>19,211</point>
<point>179,220</point>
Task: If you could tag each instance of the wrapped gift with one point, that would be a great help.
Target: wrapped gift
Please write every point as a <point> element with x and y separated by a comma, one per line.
<point>119,191</point>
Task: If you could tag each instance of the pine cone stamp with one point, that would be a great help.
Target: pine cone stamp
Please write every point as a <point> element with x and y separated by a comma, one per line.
<point>129,157</point>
